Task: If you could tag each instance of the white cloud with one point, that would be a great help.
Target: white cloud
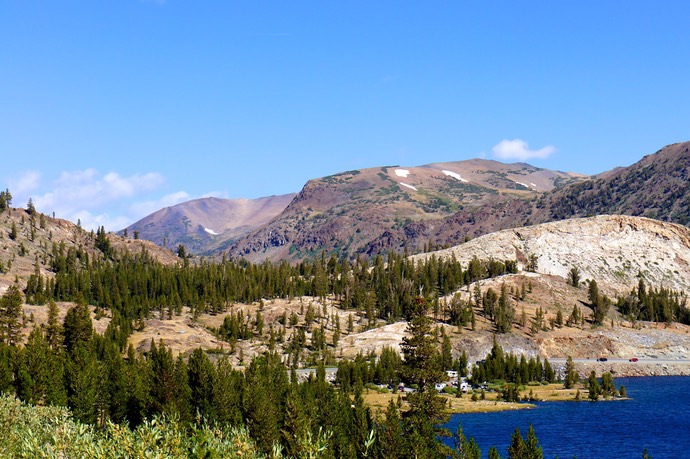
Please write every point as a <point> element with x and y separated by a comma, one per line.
<point>139,210</point>
<point>519,150</point>
<point>90,221</point>
<point>216,194</point>
<point>84,195</point>
<point>87,190</point>
<point>26,183</point>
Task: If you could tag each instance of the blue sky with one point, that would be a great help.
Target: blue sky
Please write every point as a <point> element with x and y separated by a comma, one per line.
<point>112,109</point>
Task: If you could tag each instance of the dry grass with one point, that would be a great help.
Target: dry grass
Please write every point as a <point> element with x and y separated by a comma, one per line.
<point>553,392</point>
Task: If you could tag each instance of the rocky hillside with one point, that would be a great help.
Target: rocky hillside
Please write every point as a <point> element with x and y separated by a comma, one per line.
<point>345,213</point>
<point>208,224</point>
<point>616,250</point>
<point>657,186</point>
<point>611,249</point>
<point>27,241</point>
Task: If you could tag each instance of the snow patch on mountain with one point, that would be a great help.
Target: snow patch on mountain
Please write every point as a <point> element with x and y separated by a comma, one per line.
<point>455,175</point>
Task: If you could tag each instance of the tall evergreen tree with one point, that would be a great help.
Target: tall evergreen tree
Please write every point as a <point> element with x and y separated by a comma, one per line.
<point>571,375</point>
<point>10,313</point>
<point>518,447</point>
<point>534,451</point>
<point>464,448</point>
<point>53,327</point>
<point>201,382</point>
<point>392,442</point>
<point>77,327</point>
<point>421,368</point>
<point>593,387</point>
<point>85,378</point>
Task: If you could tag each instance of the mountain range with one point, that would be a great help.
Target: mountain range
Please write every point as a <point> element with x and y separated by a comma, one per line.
<point>371,211</point>
<point>208,224</point>
<point>614,250</point>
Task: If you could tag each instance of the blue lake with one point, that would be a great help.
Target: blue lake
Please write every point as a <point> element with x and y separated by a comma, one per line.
<point>656,417</point>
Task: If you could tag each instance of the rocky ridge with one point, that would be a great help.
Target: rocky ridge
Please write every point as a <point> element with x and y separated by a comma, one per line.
<point>347,213</point>
<point>207,225</point>
<point>614,250</point>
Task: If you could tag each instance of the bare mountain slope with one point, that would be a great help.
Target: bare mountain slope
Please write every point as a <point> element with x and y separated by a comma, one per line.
<point>31,245</point>
<point>208,224</point>
<point>613,250</point>
<point>344,213</point>
<point>657,186</point>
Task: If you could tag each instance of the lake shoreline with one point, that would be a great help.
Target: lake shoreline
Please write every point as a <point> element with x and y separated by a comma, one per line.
<point>378,401</point>
<point>658,401</point>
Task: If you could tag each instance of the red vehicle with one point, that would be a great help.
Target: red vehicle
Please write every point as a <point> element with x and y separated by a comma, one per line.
<point>634,359</point>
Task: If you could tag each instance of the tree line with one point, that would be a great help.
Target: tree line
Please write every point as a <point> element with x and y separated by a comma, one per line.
<point>67,364</point>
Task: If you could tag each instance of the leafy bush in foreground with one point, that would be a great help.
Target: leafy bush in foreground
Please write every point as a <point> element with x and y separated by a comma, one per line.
<point>49,432</point>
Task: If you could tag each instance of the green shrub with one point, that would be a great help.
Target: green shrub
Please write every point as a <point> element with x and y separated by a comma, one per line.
<point>50,432</point>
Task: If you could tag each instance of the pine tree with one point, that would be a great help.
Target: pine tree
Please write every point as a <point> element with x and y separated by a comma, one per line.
<point>33,369</point>
<point>266,385</point>
<point>30,209</point>
<point>84,378</point>
<point>493,453</point>
<point>102,242</point>
<point>574,277</point>
<point>10,313</point>
<point>422,368</point>
<point>608,386</point>
<point>336,332</point>
<point>227,393</point>
<point>593,387</point>
<point>446,352</point>
<point>53,327</point>
<point>518,447</point>
<point>391,435</point>
<point>534,451</point>
<point>182,393</point>
<point>162,385</point>
<point>13,231</point>
<point>571,376</point>
<point>77,327</point>
<point>464,448</point>
<point>201,381</point>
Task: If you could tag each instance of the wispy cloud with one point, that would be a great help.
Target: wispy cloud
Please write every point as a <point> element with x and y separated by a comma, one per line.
<point>519,149</point>
<point>24,185</point>
<point>139,210</point>
<point>88,190</point>
<point>84,195</point>
<point>216,194</point>
<point>93,221</point>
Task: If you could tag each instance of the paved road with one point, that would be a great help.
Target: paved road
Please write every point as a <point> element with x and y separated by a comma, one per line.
<point>306,371</point>
<point>640,361</point>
